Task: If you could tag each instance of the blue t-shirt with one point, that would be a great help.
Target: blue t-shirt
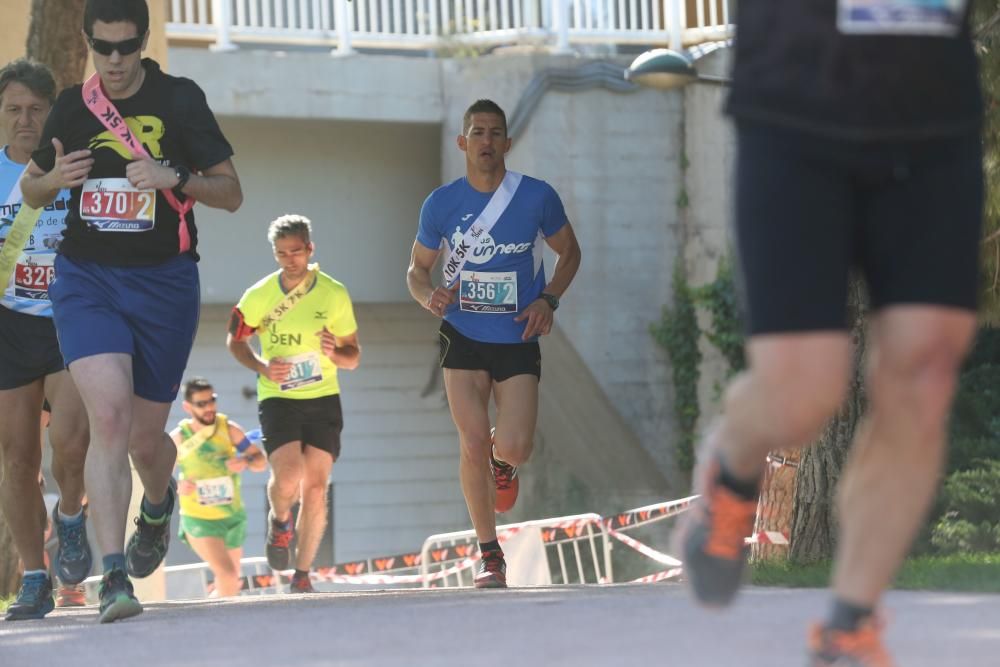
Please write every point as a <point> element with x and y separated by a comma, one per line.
<point>28,289</point>
<point>504,271</point>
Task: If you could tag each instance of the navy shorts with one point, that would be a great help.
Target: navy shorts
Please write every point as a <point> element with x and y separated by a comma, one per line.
<point>907,215</point>
<point>148,312</point>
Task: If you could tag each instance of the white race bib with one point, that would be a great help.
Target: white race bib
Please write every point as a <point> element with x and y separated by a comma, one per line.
<point>939,18</point>
<point>32,276</point>
<point>115,205</point>
<point>488,291</point>
<point>306,370</point>
<point>215,491</point>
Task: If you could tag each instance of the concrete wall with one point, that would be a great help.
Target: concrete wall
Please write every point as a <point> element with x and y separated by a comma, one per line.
<point>710,146</point>
<point>615,161</point>
<point>361,184</point>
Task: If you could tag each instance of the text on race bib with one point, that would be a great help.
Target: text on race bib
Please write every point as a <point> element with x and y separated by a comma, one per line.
<point>934,18</point>
<point>305,370</point>
<point>32,278</point>
<point>488,292</point>
<point>115,205</point>
<point>215,491</point>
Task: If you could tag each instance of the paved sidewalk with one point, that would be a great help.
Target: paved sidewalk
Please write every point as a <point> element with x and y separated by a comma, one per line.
<point>567,625</point>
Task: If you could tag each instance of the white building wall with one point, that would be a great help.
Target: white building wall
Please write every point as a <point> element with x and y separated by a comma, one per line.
<point>361,184</point>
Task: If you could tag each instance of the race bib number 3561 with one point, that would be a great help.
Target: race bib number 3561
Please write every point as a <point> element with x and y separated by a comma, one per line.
<point>934,18</point>
<point>115,205</point>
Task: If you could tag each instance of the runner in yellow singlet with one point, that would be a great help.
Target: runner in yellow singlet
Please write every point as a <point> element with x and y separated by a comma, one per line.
<point>305,323</point>
<point>211,453</point>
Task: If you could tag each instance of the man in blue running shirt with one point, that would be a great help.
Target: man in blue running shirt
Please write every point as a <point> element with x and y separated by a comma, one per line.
<point>31,368</point>
<point>494,302</point>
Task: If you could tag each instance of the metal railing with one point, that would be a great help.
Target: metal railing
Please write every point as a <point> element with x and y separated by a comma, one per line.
<point>436,24</point>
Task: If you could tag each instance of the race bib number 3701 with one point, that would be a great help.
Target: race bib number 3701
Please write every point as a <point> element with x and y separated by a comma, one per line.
<point>115,205</point>
<point>488,292</point>
<point>935,18</point>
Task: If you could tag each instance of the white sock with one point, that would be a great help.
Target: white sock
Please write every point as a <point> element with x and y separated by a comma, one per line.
<point>35,573</point>
<point>71,519</point>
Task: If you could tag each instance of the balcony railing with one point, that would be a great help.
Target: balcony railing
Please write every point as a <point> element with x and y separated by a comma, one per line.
<point>436,24</point>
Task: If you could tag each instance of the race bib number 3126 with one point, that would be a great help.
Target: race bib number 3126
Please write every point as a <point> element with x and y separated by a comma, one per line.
<point>115,205</point>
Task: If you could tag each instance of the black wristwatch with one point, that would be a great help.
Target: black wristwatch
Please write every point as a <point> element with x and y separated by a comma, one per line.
<point>183,174</point>
<point>550,299</point>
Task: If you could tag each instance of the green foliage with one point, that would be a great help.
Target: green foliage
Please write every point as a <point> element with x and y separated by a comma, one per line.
<point>719,299</point>
<point>969,510</point>
<point>978,573</point>
<point>678,334</point>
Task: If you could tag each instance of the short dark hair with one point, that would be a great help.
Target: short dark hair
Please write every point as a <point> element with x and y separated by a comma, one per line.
<point>290,224</point>
<point>32,74</point>
<point>483,106</point>
<point>115,11</point>
<point>194,385</point>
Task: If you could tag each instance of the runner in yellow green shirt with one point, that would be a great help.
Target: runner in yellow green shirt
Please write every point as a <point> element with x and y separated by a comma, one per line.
<point>212,451</point>
<point>304,321</point>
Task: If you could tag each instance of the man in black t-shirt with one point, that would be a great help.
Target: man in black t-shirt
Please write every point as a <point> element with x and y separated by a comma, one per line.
<point>126,294</point>
<point>858,128</point>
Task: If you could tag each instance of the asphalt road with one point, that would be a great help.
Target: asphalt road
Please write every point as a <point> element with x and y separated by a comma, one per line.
<point>565,625</point>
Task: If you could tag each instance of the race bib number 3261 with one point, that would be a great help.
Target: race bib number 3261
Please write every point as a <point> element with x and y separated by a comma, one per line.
<point>933,18</point>
<point>115,205</point>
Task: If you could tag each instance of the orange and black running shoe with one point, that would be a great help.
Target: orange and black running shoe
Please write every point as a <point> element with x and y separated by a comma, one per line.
<point>713,540</point>
<point>505,479</point>
<point>837,648</point>
<point>492,570</point>
<point>279,537</point>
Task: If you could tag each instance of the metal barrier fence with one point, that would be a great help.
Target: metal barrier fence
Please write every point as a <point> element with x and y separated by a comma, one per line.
<point>573,549</point>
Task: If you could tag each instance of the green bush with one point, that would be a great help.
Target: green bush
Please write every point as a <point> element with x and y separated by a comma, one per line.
<point>969,511</point>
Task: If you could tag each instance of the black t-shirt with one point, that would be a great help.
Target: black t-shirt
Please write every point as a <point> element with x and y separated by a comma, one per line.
<point>117,225</point>
<point>794,67</point>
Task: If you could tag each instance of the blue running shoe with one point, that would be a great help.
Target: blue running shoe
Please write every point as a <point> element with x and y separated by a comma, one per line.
<point>148,545</point>
<point>118,599</point>
<point>34,600</point>
<point>73,556</point>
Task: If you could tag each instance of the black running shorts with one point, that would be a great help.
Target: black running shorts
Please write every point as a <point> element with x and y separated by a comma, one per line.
<point>29,349</point>
<point>316,422</point>
<point>501,360</point>
<point>908,215</point>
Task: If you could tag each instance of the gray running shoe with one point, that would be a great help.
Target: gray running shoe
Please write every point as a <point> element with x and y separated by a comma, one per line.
<point>73,556</point>
<point>148,545</point>
<point>118,599</point>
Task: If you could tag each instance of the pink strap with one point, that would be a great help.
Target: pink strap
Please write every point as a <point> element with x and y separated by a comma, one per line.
<point>98,103</point>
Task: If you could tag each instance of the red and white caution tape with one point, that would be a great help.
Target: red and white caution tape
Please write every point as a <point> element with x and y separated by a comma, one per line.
<point>767,537</point>
<point>371,579</point>
<point>672,573</point>
<point>648,552</point>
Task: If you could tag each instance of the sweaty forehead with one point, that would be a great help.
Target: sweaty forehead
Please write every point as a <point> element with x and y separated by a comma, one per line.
<point>485,121</point>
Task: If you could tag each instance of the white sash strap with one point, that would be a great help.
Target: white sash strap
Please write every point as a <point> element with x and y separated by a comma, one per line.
<point>482,225</point>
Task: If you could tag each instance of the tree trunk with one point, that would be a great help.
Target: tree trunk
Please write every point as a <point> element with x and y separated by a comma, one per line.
<point>777,496</point>
<point>55,38</point>
<point>814,521</point>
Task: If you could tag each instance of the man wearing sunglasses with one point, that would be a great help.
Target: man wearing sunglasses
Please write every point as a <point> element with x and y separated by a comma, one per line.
<point>212,451</point>
<point>126,302</point>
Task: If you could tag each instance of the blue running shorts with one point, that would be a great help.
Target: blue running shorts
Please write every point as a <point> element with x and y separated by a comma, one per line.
<point>148,312</point>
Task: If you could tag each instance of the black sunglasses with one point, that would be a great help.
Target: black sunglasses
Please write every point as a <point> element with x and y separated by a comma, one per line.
<point>124,47</point>
<point>208,401</point>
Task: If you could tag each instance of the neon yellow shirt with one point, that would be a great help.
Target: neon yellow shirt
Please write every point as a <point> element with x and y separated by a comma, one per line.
<point>295,337</point>
<point>218,491</point>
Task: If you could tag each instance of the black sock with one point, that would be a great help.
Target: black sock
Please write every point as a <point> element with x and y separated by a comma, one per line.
<point>158,510</point>
<point>846,616</point>
<point>300,574</point>
<point>746,489</point>
<point>489,546</point>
